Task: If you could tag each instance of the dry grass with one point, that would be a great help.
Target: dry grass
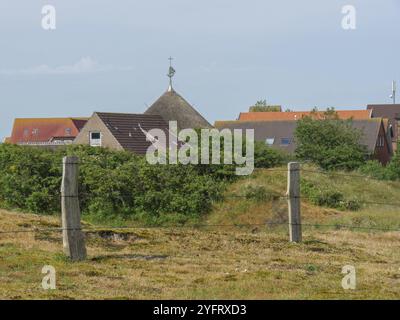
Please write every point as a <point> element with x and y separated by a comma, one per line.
<point>219,263</point>
<point>195,264</point>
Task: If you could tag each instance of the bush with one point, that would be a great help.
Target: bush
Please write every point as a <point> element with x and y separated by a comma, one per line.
<point>330,143</point>
<point>28,177</point>
<point>111,184</point>
<point>116,184</point>
<point>266,157</point>
<point>256,192</point>
<point>376,170</point>
<point>393,167</point>
<point>328,198</point>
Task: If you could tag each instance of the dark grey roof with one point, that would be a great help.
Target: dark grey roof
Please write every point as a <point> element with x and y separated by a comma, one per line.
<point>172,107</point>
<point>276,130</point>
<point>279,130</point>
<point>370,130</point>
<point>389,111</point>
<point>125,127</point>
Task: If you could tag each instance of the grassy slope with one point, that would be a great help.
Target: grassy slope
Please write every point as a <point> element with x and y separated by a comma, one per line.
<point>354,187</point>
<point>218,263</point>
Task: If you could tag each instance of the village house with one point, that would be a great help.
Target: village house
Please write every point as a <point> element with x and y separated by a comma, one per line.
<point>126,131</point>
<point>279,134</point>
<point>45,132</point>
<point>120,131</point>
<point>392,113</point>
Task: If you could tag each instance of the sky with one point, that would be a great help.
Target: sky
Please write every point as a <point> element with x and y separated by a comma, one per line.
<point>228,54</point>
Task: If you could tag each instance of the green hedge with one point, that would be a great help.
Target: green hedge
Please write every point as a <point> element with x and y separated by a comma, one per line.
<point>111,184</point>
<point>116,184</point>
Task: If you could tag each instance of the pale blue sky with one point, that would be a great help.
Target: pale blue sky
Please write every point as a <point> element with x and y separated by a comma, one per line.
<point>113,55</point>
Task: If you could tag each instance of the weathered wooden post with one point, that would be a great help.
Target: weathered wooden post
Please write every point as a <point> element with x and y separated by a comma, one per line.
<point>293,194</point>
<point>73,237</point>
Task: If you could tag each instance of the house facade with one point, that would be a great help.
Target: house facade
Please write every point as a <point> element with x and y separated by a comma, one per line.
<point>121,131</point>
<point>392,113</point>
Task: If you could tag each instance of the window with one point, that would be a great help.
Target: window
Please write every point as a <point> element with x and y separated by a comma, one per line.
<point>35,131</point>
<point>391,131</point>
<point>269,141</point>
<point>68,131</point>
<point>381,141</point>
<point>285,141</point>
<point>26,132</point>
<point>95,139</point>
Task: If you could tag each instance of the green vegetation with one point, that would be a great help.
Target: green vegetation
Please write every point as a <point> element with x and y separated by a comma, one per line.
<point>331,143</point>
<point>112,184</point>
<point>117,185</point>
<point>376,170</point>
<point>263,106</point>
<point>244,251</point>
<point>266,157</point>
<point>221,262</point>
<point>330,198</point>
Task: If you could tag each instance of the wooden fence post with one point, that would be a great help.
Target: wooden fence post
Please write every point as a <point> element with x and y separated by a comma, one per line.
<point>73,237</point>
<point>293,194</point>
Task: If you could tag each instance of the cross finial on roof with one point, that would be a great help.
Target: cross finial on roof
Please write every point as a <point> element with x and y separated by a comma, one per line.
<point>171,73</point>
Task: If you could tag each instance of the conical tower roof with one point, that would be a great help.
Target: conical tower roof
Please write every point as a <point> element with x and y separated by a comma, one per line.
<point>172,107</point>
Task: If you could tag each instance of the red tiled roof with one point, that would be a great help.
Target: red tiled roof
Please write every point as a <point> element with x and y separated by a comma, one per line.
<point>44,129</point>
<point>280,116</point>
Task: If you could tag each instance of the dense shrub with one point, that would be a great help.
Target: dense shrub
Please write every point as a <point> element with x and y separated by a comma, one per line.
<point>330,143</point>
<point>266,157</point>
<point>328,198</point>
<point>376,170</point>
<point>29,178</point>
<point>117,184</point>
<point>111,183</point>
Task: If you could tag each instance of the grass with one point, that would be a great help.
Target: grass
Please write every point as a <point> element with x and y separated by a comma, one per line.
<point>381,215</point>
<point>218,262</point>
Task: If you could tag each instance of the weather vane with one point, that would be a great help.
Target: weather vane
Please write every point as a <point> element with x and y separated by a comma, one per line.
<point>171,73</point>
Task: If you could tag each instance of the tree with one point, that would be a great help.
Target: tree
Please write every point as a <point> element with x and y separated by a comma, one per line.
<point>263,106</point>
<point>330,142</point>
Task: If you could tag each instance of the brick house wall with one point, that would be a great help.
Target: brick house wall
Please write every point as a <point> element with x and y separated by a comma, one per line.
<point>382,150</point>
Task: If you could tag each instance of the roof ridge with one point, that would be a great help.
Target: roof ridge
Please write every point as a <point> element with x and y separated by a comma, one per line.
<point>106,112</point>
